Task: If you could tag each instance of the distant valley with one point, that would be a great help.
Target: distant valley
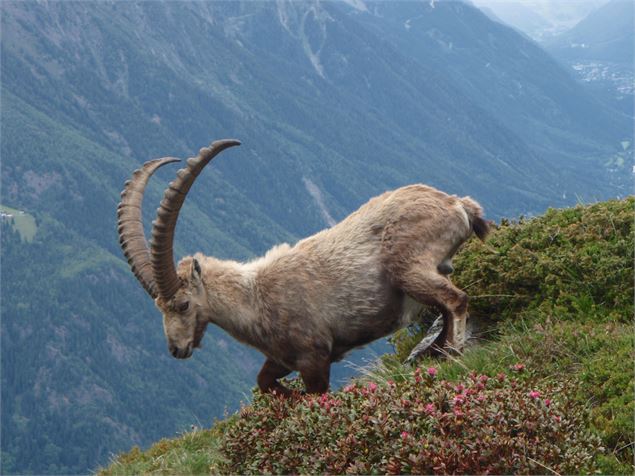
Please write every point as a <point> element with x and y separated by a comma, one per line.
<point>601,51</point>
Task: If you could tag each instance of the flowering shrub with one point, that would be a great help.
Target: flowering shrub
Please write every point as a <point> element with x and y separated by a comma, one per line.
<point>561,291</point>
<point>420,425</point>
<point>560,288</point>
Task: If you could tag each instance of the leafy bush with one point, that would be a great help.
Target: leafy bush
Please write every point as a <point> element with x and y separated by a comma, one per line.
<point>573,262</point>
<point>560,289</point>
<point>595,359</point>
<point>420,425</point>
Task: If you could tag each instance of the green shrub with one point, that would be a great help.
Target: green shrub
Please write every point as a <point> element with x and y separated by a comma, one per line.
<point>559,289</point>
<point>576,263</point>
<point>420,425</point>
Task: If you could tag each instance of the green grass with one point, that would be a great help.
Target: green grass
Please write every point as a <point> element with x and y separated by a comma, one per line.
<point>22,222</point>
<point>195,452</point>
<point>557,291</point>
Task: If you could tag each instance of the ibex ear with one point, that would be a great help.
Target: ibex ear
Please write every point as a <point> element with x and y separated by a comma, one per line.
<point>195,271</point>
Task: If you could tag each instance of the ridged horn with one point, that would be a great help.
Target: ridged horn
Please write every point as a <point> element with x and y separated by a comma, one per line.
<point>130,225</point>
<point>161,254</point>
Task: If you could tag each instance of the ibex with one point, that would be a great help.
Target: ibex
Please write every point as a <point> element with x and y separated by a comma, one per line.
<point>305,306</point>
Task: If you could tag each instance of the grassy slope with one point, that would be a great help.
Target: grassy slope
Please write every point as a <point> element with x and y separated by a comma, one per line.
<point>558,290</point>
<point>22,222</point>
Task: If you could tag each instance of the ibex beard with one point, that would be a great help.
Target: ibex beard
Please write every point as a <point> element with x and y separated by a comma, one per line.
<point>306,306</point>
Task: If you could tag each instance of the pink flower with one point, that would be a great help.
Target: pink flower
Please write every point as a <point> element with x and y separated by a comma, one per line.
<point>459,388</point>
<point>519,367</point>
<point>404,434</point>
<point>372,386</point>
<point>557,418</point>
<point>418,372</point>
<point>481,397</point>
<point>483,378</point>
<point>429,408</point>
<point>534,394</point>
<point>547,402</point>
<point>458,412</point>
<point>350,388</point>
<point>432,372</point>
<point>501,377</point>
<point>459,399</point>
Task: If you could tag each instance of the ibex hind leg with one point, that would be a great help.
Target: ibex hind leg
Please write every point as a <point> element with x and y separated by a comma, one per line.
<point>429,287</point>
<point>268,378</point>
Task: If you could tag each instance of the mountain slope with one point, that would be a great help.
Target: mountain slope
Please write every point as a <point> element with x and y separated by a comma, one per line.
<point>333,105</point>
<point>508,76</point>
<point>82,346</point>
<point>550,388</point>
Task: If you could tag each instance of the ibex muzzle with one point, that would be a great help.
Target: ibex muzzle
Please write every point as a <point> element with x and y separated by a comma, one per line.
<point>306,306</point>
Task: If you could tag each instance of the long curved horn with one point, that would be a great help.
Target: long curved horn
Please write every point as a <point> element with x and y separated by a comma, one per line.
<point>167,214</point>
<point>130,225</point>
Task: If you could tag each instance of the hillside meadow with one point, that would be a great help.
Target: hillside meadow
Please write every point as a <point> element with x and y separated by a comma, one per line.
<point>545,388</point>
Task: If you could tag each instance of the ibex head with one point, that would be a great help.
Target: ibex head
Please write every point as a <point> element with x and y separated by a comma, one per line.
<point>179,294</point>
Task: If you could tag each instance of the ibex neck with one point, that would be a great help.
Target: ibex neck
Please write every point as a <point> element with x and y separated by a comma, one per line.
<point>230,297</point>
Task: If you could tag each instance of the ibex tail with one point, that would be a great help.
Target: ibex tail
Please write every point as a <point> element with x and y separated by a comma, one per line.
<point>475,214</point>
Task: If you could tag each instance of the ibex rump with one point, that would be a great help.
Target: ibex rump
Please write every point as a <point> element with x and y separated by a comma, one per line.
<point>305,306</point>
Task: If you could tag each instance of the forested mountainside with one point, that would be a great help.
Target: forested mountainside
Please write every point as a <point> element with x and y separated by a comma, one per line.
<point>334,103</point>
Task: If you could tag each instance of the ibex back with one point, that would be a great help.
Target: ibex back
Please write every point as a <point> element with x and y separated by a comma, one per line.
<point>305,306</point>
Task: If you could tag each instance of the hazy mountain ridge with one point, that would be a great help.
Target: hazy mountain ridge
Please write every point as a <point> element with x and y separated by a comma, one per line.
<point>607,33</point>
<point>540,19</point>
<point>429,123</point>
<point>343,98</point>
<point>601,51</point>
<point>509,77</point>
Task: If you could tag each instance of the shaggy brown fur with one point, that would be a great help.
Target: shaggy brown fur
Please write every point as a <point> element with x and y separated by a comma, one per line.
<point>305,306</point>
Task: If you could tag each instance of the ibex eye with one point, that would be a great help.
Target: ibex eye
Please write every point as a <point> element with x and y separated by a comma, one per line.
<point>182,307</point>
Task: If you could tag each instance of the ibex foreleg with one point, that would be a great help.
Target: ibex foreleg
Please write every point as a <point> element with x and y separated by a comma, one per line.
<point>269,375</point>
<point>316,373</point>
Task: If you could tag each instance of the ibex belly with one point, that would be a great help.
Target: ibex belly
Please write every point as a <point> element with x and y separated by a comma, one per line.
<point>400,311</point>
